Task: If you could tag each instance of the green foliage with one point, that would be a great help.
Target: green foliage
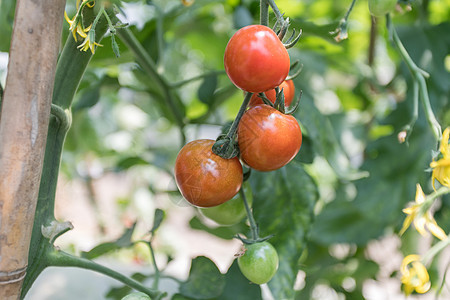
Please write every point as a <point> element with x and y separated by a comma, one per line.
<point>284,207</point>
<point>123,242</point>
<point>7,9</point>
<point>205,280</point>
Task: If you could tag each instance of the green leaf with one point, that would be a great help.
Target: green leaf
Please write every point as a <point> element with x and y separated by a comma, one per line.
<point>237,286</point>
<point>306,153</point>
<point>7,9</point>
<point>157,220</point>
<point>118,293</point>
<point>136,296</point>
<point>394,171</point>
<point>321,133</point>
<point>123,242</point>
<point>114,45</point>
<point>205,280</point>
<point>129,162</point>
<point>206,90</point>
<point>88,98</point>
<point>283,205</point>
<point>224,232</point>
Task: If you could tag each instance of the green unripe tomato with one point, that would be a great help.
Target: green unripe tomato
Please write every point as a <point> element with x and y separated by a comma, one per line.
<point>230,212</point>
<point>259,262</point>
<point>136,296</point>
<point>379,8</point>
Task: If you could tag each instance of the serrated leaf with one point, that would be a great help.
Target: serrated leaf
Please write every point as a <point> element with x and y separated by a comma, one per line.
<point>207,88</point>
<point>283,205</point>
<point>205,280</point>
<point>122,242</point>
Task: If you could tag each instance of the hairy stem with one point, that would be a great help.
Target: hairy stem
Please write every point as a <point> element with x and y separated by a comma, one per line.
<point>232,132</point>
<point>264,13</point>
<point>251,219</point>
<point>62,259</point>
<point>276,11</point>
<point>419,76</point>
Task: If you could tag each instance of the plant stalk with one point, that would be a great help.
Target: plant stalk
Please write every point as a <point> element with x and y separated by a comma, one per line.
<point>419,76</point>
<point>62,259</point>
<point>264,13</point>
<point>251,219</point>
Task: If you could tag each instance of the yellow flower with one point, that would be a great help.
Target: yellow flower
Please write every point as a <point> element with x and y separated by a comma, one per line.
<point>88,44</point>
<point>441,168</point>
<point>420,214</point>
<point>76,25</point>
<point>187,2</point>
<point>414,277</point>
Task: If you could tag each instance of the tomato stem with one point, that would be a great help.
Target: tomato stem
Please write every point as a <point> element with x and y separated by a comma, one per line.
<point>264,13</point>
<point>276,11</point>
<point>251,219</point>
<point>62,259</point>
<point>419,77</point>
<point>225,145</point>
<point>233,129</point>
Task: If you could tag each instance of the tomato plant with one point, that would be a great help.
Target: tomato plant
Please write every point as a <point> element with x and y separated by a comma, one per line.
<point>230,212</point>
<point>288,90</point>
<point>379,8</point>
<point>259,263</point>
<point>268,139</point>
<point>204,178</point>
<point>255,59</point>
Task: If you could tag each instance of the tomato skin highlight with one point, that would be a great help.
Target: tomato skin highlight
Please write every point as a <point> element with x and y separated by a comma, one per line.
<point>255,59</point>
<point>288,90</point>
<point>268,139</point>
<point>204,178</point>
<point>259,262</point>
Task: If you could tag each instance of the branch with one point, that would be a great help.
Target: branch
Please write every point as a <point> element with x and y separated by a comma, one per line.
<point>23,131</point>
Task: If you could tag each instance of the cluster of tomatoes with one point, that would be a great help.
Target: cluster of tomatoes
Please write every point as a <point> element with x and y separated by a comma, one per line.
<point>257,62</point>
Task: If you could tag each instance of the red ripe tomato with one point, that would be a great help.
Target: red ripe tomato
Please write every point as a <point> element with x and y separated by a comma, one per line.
<point>204,178</point>
<point>288,90</point>
<point>255,59</point>
<point>268,139</point>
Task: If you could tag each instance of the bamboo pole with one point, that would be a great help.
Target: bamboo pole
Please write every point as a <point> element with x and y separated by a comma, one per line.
<point>23,131</point>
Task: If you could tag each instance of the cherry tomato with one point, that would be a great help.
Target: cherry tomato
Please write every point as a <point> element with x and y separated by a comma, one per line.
<point>268,139</point>
<point>204,178</point>
<point>255,59</point>
<point>230,212</point>
<point>259,262</point>
<point>379,8</point>
<point>288,91</point>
